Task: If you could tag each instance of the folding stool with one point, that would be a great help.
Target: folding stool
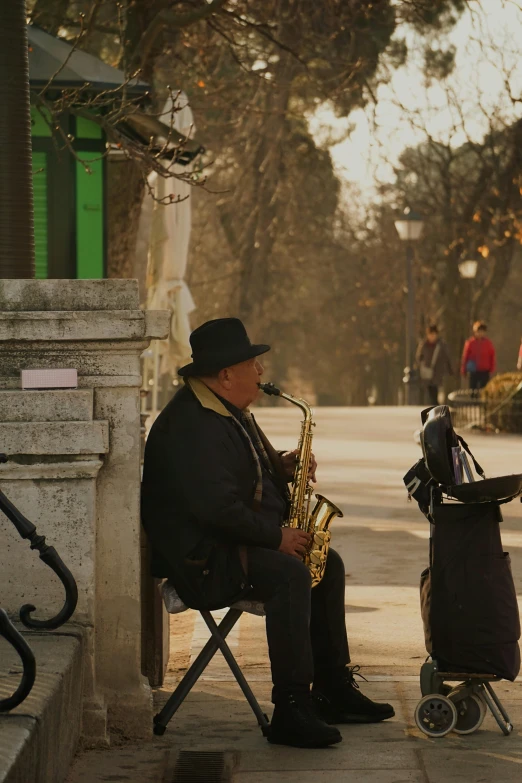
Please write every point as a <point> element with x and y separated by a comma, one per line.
<point>175,605</point>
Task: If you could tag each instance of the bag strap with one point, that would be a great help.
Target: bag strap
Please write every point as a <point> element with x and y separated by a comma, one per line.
<point>465,446</point>
<point>435,355</point>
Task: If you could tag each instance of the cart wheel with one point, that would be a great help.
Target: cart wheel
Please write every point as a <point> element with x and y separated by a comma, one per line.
<point>436,715</point>
<point>471,710</point>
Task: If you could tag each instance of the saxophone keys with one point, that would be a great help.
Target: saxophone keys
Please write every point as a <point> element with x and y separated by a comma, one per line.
<point>315,557</point>
<point>319,538</point>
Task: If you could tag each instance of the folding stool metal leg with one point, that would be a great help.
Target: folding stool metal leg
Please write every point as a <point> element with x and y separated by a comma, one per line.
<point>196,669</point>
<point>215,630</point>
<point>496,708</point>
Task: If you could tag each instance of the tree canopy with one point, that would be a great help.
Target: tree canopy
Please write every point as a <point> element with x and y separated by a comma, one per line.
<point>272,241</point>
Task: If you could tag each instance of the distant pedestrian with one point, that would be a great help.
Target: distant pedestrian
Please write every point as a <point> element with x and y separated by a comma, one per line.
<point>433,361</point>
<point>519,362</point>
<point>478,357</point>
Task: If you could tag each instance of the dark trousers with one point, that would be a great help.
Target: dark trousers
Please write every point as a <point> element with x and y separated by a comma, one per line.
<point>479,379</point>
<point>305,628</point>
<point>433,394</point>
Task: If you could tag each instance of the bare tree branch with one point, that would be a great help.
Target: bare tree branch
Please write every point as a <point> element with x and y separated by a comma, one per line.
<point>177,21</point>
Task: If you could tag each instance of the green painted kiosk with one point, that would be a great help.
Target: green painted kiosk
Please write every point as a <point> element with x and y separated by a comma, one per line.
<point>69,199</point>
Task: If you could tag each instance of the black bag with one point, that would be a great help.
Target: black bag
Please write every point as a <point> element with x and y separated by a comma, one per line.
<point>468,599</point>
<point>422,487</point>
<point>438,438</point>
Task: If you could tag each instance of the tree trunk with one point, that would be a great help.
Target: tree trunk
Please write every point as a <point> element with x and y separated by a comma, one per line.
<point>126,186</point>
<point>124,198</point>
<point>16,179</point>
<point>252,239</point>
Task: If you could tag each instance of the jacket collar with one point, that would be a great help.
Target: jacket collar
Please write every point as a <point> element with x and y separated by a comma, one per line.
<point>208,400</point>
<point>206,397</point>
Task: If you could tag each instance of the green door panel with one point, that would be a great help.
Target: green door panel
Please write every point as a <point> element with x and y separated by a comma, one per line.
<point>89,218</point>
<point>87,129</point>
<point>39,126</point>
<point>40,214</point>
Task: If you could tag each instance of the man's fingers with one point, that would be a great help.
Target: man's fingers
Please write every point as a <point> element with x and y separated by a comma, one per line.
<point>303,536</point>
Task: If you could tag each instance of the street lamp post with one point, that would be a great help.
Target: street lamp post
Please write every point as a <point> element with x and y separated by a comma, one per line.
<point>468,271</point>
<point>409,228</point>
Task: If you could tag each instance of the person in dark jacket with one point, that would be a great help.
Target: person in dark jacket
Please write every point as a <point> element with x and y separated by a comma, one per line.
<point>433,361</point>
<point>214,495</point>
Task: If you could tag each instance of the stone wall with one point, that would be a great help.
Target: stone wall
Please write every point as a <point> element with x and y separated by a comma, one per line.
<point>74,470</point>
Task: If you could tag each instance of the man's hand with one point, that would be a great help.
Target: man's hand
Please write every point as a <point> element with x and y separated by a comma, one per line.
<point>289,461</point>
<point>294,542</point>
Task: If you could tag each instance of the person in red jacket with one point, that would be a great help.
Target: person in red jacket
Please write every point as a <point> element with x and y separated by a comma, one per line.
<point>478,357</point>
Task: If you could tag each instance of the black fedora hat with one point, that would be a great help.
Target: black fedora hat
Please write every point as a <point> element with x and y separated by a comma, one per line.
<point>218,344</point>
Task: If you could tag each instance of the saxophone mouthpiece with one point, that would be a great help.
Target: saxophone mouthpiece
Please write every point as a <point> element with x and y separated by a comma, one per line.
<point>269,388</point>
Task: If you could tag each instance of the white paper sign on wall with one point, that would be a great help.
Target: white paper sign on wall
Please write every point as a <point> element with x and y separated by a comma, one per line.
<point>49,379</point>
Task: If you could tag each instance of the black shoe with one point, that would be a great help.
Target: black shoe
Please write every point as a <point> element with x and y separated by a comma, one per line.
<point>342,701</point>
<point>295,722</point>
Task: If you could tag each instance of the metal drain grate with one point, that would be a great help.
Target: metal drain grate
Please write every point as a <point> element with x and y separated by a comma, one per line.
<point>199,766</point>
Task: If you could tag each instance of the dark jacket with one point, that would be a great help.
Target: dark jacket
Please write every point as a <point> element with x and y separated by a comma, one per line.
<point>442,367</point>
<point>198,488</point>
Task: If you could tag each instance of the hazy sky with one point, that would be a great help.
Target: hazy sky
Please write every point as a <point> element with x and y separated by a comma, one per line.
<point>489,55</point>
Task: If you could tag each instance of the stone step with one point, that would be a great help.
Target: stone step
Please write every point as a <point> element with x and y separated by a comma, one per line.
<point>38,738</point>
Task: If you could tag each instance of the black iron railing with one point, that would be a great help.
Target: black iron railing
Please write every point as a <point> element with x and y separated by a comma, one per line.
<point>50,557</point>
<point>476,410</point>
<point>15,638</point>
<point>468,409</point>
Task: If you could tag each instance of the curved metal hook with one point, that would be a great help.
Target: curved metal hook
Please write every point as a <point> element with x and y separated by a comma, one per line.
<point>50,556</point>
<point>15,638</point>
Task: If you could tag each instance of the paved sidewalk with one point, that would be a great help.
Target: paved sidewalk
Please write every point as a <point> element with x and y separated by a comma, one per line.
<point>363,455</point>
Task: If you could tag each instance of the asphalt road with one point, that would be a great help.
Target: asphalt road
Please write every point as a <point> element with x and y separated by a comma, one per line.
<point>363,454</point>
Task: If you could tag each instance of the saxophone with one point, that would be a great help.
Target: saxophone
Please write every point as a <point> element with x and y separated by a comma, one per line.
<point>318,520</point>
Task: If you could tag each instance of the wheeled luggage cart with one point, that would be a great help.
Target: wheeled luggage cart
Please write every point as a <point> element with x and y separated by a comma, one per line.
<point>460,707</point>
<point>468,599</point>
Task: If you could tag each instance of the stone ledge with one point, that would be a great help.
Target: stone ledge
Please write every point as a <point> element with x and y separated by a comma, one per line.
<point>39,738</point>
<point>82,326</point>
<point>31,295</point>
<point>72,325</point>
<point>56,471</point>
<point>157,324</point>
<point>55,405</point>
<point>41,437</point>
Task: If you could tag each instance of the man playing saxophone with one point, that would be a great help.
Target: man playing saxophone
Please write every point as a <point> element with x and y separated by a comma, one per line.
<point>215,494</point>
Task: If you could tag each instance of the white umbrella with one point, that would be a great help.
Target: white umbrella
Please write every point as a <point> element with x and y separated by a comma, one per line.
<point>169,241</point>
<point>168,254</point>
